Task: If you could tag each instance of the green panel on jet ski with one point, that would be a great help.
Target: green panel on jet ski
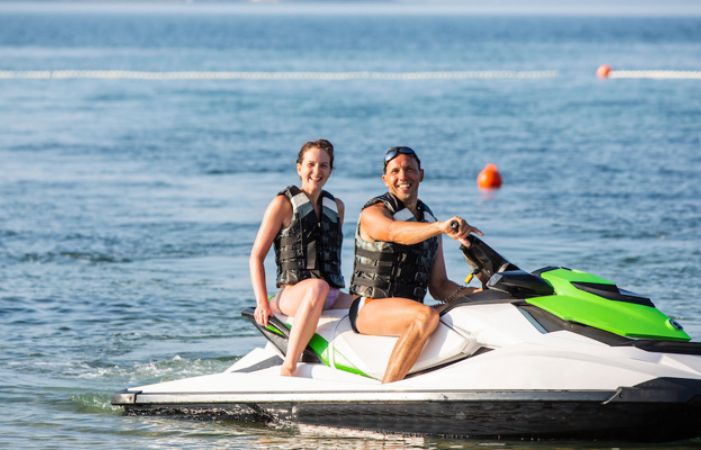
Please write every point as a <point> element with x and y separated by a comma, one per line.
<point>623,318</point>
<point>273,329</point>
<point>562,278</point>
<point>320,346</point>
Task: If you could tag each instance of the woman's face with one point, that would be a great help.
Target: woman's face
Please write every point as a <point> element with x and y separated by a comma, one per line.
<point>314,169</point>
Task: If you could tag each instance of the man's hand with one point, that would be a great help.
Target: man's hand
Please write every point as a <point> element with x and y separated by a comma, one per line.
<point>457,228</point>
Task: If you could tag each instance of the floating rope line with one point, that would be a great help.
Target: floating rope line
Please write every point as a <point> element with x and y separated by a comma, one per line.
<point>657,74</point>
<point>273,76</point>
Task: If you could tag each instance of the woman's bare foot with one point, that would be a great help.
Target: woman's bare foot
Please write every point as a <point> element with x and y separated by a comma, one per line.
<point>287,371</point>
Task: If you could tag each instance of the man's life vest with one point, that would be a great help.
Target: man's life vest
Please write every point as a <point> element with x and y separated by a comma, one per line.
<point>386,269</point>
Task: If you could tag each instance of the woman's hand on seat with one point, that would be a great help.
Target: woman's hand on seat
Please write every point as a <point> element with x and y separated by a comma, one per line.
<point>262,313</point>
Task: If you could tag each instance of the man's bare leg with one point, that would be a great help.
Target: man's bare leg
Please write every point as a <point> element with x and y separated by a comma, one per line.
<point>413,322</point>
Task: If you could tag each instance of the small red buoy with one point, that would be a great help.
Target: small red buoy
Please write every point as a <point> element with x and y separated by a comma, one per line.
<point>489,177</point>
<point>603,71</point>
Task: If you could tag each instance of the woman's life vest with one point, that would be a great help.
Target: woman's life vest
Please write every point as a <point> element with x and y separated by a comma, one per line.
<point>386,269</point>
<point>311,246</point>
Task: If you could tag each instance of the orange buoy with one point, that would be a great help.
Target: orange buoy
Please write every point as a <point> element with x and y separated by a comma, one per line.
<point>489,177</point>
<point>603,71</point>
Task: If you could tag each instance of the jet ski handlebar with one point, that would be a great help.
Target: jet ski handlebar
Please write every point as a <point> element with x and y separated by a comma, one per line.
<point>497,273</point>
<point>484,260</point>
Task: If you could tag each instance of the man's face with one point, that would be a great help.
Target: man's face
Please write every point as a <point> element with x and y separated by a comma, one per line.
<point>402,177</point>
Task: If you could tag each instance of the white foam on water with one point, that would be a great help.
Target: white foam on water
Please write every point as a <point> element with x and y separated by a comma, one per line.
<point>271,76</point>
<point>174,368</point>
<point>324,431</point>
<point>95,403</point>
<point>657,74</point>
<point>323,76</point>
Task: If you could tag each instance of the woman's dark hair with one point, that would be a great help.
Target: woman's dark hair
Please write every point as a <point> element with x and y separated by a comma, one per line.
<point>322,144</point>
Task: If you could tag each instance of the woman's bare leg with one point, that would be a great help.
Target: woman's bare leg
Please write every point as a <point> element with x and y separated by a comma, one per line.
<point>413,322</point>
<point>304,301</point>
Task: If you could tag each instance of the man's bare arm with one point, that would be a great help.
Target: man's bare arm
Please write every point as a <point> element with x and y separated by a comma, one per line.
<point>440,287</point>
<point>377,223</point>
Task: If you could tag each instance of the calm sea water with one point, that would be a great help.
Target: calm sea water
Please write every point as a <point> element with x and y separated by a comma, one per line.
<point>128,206</point>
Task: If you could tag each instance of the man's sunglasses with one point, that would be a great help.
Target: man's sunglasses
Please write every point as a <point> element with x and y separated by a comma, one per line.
<point>396,151</point>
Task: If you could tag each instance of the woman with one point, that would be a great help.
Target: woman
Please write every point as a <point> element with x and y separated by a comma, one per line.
<point>305,224</point>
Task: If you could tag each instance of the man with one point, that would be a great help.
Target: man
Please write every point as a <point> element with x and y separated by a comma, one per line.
<point>398,256</point>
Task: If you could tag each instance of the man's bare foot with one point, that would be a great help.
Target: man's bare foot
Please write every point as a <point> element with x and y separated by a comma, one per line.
<point>287,371</point>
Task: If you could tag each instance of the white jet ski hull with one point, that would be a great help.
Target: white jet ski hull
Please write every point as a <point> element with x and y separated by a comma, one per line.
<point>518,381</point>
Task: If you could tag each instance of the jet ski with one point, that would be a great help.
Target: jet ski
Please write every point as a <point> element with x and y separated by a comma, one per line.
<point>556,353</point>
